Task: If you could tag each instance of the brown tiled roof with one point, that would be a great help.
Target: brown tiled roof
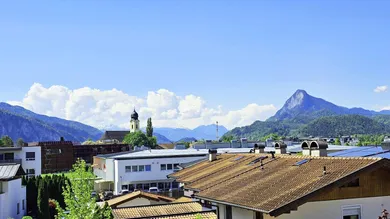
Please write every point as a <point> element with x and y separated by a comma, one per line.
<point>151,211</point>
<point>138,194</point>
<point>203,215</point>
<point>183,199</point>
<point>167,146</point>
<point>271,184</point>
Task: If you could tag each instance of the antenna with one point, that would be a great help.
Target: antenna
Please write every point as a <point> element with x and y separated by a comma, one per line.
<point>217,131</point>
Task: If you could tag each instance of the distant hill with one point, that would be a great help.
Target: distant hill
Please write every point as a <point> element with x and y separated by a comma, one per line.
<point>17,122</point>
<point>201,132</point>
<point>188,139</point>
<point>161,139</point>
<point>344,125</point>
<point>303,114</point>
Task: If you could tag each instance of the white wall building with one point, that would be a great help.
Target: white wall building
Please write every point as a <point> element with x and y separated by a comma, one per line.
<point>12,194</point>
<point>29,157</point>
<point>142,169</point>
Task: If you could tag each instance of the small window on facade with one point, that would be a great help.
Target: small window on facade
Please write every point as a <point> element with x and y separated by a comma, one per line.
<point>148,168</point>
<point>175,185</point>
<point>169,166</point>
<point>128,169</point>
<point>163,167</point>
<point>146,186</point>
<point>23,204</point>
<point>228,212</point>
<point>176,166</point>
<point>353,183</point>
<point>153,184</point>
<point>352,212</point>
<point>30,155</point>
<point>141,168</point>
<point>134,169</point>
<point>18,208</point>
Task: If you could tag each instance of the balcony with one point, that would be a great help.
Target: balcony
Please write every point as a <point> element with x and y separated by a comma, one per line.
<point>17,161</point>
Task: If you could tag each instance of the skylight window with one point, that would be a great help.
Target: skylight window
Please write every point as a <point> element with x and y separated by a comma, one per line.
<point>299,163</point>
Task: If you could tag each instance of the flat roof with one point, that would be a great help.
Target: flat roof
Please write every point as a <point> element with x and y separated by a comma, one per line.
<point>10,148</point>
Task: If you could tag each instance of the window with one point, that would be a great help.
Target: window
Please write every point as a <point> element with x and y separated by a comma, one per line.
<point>175,185</point>
<point>169,166</point>
<point>134,168</point>
<point>23,204</point>
<point>176,166</point>
<point>352,212</point>
<point>153,184</point>
<point>146,186</point>
<point>353,183</point>
<point>141,168</point>
<point>8,156</point>
<point>30,155</point>
<point>163,167</point>
<point>138,186</point>
<point>228,212</point>
<point>30,172</point>
<point>127,169</point>
<point>18,208</point>
<point>148,168</point>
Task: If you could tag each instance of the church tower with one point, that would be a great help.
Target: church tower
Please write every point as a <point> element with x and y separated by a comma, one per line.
<point>134,122</point>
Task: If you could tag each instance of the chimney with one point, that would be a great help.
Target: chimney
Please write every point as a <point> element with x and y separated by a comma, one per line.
<point>280,147</point>
<point>61,138</point>
<point>324,171</point>
<point>306,148</point>
<point>212,155</point>
<point>318,149</point>
<point>259,148</point>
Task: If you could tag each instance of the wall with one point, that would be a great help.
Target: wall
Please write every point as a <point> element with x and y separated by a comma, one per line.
<point>32,164</point>
<point>242,213</point>
<point>14,193</point>
<point>371,208</point>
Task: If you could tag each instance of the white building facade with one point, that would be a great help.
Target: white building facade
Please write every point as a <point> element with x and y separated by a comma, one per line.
<point>142,169</point>
<point>12,194</point>
<point>29,157</point>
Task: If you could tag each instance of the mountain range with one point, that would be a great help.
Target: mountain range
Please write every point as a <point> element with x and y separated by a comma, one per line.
<point>305,115</point>
<point>18,122</point>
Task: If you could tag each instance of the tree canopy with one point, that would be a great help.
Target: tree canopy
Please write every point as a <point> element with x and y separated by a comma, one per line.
<point>20,142</point>
<point>149,128</point>
<point>7,141</point>
<point>138,138</point>
<point>77,195</point>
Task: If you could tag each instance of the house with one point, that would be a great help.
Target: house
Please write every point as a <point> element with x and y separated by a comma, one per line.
<point>141,169</point>
<point>138,198</point>
<point>28,157</point>
<point>12,193</point>
<point>179,210</point>
<point>261,185</point>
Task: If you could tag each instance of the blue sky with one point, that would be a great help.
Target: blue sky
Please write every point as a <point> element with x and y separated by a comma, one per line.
<point>229,53</point>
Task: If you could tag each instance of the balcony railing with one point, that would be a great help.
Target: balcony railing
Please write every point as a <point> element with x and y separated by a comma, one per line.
<point>17,161</point>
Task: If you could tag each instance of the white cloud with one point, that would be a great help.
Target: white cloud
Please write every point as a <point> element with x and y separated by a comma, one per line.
<point>105,108</point>
<point>380,89</point>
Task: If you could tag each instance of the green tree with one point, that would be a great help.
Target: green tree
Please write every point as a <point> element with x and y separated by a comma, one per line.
<point>77,194</point>
<point>152,141</point>
<point>227,138</point>
<point>136,139</point>
<point>149,128</point>
<point>1,143</point>
<point>337,141</point>
<point>43,200</point>
<point>7,141</point>
<point>20,142</point>
<point>273,136</point>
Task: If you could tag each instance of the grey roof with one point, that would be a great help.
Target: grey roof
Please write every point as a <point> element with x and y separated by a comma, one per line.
<point>9,171</point>
<point>10,148</point>
<point>114,135</point>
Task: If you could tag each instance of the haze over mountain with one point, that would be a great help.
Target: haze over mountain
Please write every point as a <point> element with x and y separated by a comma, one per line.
<point>303,114</point>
